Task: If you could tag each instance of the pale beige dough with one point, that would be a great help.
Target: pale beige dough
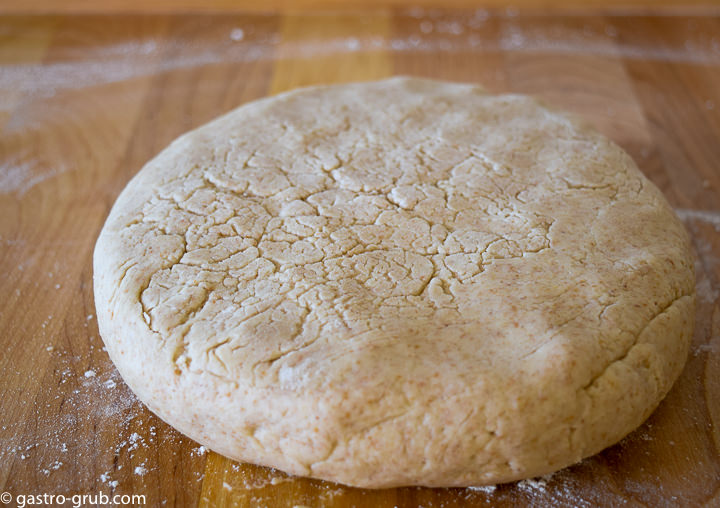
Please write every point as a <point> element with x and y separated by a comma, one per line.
<point>404,282</point>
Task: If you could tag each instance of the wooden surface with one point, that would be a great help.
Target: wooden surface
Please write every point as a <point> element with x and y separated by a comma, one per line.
<point>86,101</point>
<point>285,6</point>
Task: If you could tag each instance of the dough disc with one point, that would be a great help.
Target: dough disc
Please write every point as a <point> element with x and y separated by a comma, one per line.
<point>404,282</point>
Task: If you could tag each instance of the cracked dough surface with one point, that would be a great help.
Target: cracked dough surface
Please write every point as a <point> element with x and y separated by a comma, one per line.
<point>404,282</point>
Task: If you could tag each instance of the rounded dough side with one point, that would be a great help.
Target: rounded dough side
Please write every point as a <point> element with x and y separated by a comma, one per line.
<point>604,326</point>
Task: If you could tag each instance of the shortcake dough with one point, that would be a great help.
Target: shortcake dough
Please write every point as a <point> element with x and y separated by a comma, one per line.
<point>403,282</point>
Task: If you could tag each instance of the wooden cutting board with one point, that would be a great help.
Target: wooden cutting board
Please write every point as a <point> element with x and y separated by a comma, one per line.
<point>85,101</point>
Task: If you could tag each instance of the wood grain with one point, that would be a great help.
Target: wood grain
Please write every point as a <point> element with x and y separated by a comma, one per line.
<point>85,101</point>
<point>316,48</point>
<point>285,6</point>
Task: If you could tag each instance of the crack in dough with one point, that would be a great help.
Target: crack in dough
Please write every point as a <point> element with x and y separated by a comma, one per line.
<point>400,225</point>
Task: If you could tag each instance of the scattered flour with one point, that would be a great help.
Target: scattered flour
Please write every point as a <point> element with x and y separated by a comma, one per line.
<point>535,484</point>
<point>709,216</point>
<point>131,59</point>
<point>237,34</point>
<point>488,489</point>
<point>19,176</point>
<point>532,484</point>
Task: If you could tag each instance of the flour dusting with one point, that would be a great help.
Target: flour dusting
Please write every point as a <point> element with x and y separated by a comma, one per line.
<point>487,489</point>
<point>18,177</point>
<point>131,59</point>
<point>709,216</point>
